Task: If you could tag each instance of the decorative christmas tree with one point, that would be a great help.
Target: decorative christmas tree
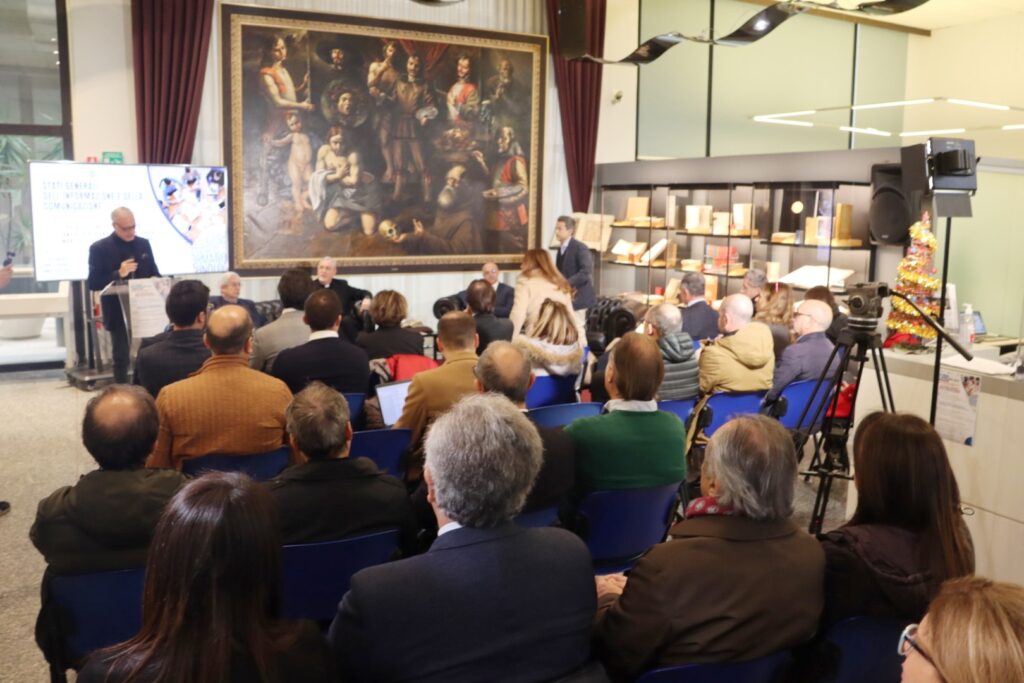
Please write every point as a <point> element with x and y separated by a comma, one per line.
<point>916,279</point>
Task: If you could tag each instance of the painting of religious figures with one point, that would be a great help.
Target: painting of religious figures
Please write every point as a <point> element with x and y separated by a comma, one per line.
<point>388,145</point>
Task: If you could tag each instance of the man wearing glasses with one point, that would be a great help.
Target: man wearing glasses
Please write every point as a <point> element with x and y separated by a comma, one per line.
<point>806,358</point>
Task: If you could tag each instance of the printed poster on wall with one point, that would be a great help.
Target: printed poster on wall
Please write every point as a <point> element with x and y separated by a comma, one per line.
<point>956,417</point>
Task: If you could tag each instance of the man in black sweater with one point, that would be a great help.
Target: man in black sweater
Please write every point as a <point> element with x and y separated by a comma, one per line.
<point>180,352</point>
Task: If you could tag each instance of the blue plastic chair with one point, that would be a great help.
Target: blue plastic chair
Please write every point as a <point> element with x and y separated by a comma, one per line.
<point>680,408</point>
<point>101,609</point>
<point>261,467</point>
<point>798,395</point>
<point>620,525</point>
<point>726,406</point>
<point>867,649</point>
<point>761,670</point>
<point>538,518</point>
<point>383,446</point>
<point>355,408</point>
<point>561,415</point>
<point>317,575</point>
<point>549,390</point>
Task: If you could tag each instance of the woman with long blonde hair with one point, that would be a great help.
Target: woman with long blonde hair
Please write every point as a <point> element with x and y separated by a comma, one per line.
<point>552,342</point>
<point>775,309</point>
<point>538,281</point>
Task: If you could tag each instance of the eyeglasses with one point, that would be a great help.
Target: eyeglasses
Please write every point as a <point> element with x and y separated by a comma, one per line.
<point>907,643</point>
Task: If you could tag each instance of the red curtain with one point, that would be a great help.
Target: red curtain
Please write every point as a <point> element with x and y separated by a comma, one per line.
<point>579,97</point>
<point>170,42</point>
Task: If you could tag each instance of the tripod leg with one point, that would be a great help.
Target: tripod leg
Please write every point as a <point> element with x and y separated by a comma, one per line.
<point>885,378</point>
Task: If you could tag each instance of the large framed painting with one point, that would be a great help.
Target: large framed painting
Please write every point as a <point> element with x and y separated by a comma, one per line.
<point>388,145</point>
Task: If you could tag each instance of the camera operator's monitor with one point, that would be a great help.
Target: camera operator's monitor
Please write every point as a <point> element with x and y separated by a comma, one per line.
<point>182,211</point>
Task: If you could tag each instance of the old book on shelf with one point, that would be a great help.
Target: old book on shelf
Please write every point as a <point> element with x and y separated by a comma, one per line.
<point>843,222</point>
<point>672,289</point>
<point>698,217</point>
<point>638,207</point>
<point>594,230</point>
<point>784,237</point>
<point>742,219</point>
<point>806,277</point>
<point>671,211</point>
<point>692,264</point>
<point>648,222</point>
<point>771,269</point>
<point>720,223</point>
<point>654,252</point>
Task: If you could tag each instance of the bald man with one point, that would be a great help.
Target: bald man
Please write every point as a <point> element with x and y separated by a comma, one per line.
<point>119,256</point>
<point>743,357</point>
<point>806,358</point>
<point>225,407</point>
<point>504,295</point>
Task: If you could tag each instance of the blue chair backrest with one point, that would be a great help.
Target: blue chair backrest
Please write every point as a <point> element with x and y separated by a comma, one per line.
<point>538,518</point>
<point>726,406</point>
<point>798,395</point>
<point>317,575</point>
<point>680,408</point>
<point>102,608</point>
<point>355,407</point>
<point>261,467</point>
<point>383,446</point>
<point>549,390</point>
<point>561,415</point>
<point>760,670</point>
<point>622,524</point>
<point>696,344</point>
<point>867,649</point>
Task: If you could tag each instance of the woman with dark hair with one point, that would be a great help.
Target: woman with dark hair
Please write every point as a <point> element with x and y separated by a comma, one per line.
<point>388,309</point>
<point>212,590</point>
<point>907,535</point>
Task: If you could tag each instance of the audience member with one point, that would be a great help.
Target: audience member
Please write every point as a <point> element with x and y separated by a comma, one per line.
<point>226,407</point>
<point>231,293</point>
<point>212,592</point>
<point>433,392</point>
<point>489,327</point>
<point>181,352</point>
<point>504,296</point>
<point>354,301</point>
<point>538,281</point>
<point>289,329</point>
<point>907,535</point>
<point>743,358</point>
<point>576,265</point>
<point>489,600</point>
<point>503,369</point>
<point>326,357</point>
<point>105,521</point>
<point>388,310</point>
<point>973,633</point>
<point>634,445</point>
<point>664,324</point>
<point>754,282</point>
<point>552,344</point>
<point>737,580</point>
<point>332,496</point>
<point>805,359</point>
<point>700,321</point>
<point>839,319</point>
<point>775,309</point>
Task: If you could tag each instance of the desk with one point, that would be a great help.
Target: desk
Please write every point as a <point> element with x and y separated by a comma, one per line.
<point>990,473</point>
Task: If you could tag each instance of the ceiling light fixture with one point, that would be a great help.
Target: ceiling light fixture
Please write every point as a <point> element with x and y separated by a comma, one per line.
<point>785,122</point>
<point>929,133</point>
<point>1014,126</point>
<point>885,105</point>
<point>979,105</point>
<point>866,131</point>
<point>808,112</point>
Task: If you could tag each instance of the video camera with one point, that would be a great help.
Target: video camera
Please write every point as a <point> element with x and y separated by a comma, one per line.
<point>865,303</point>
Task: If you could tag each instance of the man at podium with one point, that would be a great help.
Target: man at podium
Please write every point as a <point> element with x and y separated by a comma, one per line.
<point>118,257</point>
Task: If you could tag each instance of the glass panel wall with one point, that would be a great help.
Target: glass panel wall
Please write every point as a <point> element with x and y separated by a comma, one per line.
<point>881,77</point>
<point>30,89</point>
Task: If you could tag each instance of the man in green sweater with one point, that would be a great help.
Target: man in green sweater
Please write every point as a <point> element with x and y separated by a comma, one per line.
<point>633,445</point>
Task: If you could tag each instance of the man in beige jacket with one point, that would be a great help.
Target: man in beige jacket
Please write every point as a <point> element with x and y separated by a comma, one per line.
<point>743,357</point>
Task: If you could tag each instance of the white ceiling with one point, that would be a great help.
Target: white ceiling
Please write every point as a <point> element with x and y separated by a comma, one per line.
<point>937,14</point>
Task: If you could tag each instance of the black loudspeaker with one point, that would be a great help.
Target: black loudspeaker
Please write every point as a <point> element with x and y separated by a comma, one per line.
<point>890,216</point>
<point>572,27</point>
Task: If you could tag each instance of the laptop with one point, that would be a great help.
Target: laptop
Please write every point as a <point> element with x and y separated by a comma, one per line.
<point>392,400</point>
<point>981,333</point>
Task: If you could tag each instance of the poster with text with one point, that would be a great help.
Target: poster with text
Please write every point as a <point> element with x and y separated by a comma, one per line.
<point>956,417</point>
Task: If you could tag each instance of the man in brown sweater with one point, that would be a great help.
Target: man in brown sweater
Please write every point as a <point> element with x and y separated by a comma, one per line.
<point>224,407</point>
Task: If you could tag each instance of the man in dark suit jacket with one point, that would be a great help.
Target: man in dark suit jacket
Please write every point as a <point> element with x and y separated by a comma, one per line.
<point>489,600</point>
<point>181,351</point>
<point>700,320</point>
<point>806,358</point>
<point>504,296</point>
<point>575,263</point>
<point>326,357</point>
<point>333,496</point>
<point>489,328</point>
<point>230,293</point>
<point>116,257</point>
<point>354,301</point>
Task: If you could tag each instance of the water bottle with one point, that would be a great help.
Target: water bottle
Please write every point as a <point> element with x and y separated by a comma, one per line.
<point>966,332</point>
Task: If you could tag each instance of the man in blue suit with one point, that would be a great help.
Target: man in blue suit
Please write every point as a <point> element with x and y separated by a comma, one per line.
<point>490,601</point>
<point>806,358</point>
<point>576,265</point>
<point>700,321</point>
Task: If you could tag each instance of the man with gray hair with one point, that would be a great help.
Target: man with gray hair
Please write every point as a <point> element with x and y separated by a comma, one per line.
<point>663,322</point>
<point>699,320</point>
<point>332,496</point>
<point>231,293</point>
<point>753,282</point>
<point>490,599</point>
<point>806,358</point>
<point>701,597</point>
<point>743,358</point>
<point>354,301</point>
